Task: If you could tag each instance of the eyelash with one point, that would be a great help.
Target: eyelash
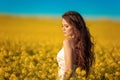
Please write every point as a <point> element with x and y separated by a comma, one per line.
<point>65,26</point>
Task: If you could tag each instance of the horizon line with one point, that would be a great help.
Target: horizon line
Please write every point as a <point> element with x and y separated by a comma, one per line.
<point>94,17</point>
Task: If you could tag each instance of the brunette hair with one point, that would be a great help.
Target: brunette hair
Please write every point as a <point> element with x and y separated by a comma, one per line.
<point>84,47</point>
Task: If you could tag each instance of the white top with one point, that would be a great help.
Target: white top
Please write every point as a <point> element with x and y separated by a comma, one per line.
<point>61,64</point>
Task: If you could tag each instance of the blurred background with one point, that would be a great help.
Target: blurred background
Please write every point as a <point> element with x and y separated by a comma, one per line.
<point>39,18</point>
<point>31,36</point>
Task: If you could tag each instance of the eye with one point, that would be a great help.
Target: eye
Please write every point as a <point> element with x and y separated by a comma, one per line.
<point>66,26</point>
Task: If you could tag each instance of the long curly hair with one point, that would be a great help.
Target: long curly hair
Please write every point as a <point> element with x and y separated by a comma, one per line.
<point>84,47</point>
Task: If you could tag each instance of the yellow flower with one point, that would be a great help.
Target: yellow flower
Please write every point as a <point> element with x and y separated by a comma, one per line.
<point>102,69</point>
<point>119,62</point>
<point>106,75</point>
<point>13,77</point>
<point>7,74</point>
<point>83,72</point>
<point>43,76</point>
<point>67,74</point>
<point>117,73</point>
<point>91,76</point>
<point>83,78</point>
<point>72,78</point>
<point>23,71</point>
<point>78,70</point>
<point>1,71</point>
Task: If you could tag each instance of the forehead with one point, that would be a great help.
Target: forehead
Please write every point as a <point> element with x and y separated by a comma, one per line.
<point>64,21</point>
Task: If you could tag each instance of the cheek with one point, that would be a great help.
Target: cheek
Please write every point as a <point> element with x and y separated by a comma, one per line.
<point>70,30</point>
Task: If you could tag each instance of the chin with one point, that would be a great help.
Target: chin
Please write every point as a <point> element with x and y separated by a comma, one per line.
<point>66,35</point>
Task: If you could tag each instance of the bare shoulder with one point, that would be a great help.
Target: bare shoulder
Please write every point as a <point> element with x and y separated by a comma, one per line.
<point>68,42</point>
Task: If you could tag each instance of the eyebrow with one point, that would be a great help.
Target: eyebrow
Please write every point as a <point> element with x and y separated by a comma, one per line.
<point>66,24</point>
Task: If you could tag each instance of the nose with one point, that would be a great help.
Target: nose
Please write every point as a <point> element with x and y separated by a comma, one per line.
<point>63,28</point>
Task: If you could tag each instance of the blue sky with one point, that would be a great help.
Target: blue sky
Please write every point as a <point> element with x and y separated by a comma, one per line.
<point>88,8</point>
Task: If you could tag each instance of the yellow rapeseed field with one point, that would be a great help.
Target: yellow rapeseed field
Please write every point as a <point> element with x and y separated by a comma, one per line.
<point>29,45</point>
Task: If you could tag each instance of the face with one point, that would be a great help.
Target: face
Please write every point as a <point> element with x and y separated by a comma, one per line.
<point>67,28</point>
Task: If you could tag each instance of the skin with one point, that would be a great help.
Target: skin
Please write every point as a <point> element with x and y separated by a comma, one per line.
<point>67,29</point>
<point>68,45</point>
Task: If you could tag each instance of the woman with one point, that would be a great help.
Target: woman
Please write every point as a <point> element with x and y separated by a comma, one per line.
<point>77,50</point>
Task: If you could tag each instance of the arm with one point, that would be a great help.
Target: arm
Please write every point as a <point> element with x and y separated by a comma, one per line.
<point>68,58</point>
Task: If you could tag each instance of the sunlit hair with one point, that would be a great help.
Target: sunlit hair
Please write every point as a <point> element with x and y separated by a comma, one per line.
<point>84,47</point>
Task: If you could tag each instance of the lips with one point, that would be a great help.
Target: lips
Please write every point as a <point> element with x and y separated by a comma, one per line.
<point>64,32</point>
